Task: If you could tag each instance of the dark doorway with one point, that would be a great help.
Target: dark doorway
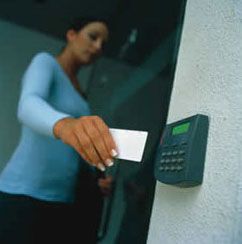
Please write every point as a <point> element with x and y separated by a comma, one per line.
<point>130,88</point>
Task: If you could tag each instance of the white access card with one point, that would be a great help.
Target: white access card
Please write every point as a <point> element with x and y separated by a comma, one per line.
<point>130,143</point>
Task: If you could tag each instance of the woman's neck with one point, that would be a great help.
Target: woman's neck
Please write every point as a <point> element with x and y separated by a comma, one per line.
<point>71,68</point>
<point>69,65</point>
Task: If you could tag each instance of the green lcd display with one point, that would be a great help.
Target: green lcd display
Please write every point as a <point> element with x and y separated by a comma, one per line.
<point>180,129</point>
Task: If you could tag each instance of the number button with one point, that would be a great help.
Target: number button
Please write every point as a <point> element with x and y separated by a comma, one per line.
<point>174,160</point>
<point>179,168</point>
<point>169,153</point>
<point>175,152</point>
<point>181,152</point>
<point>179,160</point>
<point>173,168</point>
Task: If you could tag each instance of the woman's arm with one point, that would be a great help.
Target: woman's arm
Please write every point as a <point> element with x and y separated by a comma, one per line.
<point>88,135</point>
<point>33,109</point>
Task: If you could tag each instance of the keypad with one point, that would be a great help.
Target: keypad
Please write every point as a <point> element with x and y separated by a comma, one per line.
<point>172,158</point>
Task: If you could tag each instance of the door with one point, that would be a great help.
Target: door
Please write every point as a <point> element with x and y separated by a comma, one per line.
<point>130,88</point>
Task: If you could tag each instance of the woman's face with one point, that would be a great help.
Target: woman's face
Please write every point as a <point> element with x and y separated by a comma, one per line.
<point>87,44</point>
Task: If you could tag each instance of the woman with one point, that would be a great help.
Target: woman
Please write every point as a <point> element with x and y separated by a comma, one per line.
<point>37,186</point>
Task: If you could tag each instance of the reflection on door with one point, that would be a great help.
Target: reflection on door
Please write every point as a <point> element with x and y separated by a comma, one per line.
<point>130,89</point>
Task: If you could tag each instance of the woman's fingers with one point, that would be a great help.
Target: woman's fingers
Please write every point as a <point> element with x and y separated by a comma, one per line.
<point>107,137</point>
<point>86,147</point>
<point>100,138</point>
<point>96,141</point>
<point>81,151</point>
<point>90,137</point>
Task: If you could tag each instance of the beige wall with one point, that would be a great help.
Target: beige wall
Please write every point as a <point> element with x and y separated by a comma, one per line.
<point>208,80</point>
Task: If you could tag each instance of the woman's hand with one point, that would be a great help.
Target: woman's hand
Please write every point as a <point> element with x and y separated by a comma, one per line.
<point>90,137</point>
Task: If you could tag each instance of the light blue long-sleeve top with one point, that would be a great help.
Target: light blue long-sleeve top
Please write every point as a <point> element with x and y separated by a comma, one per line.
<point>42,166</point>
